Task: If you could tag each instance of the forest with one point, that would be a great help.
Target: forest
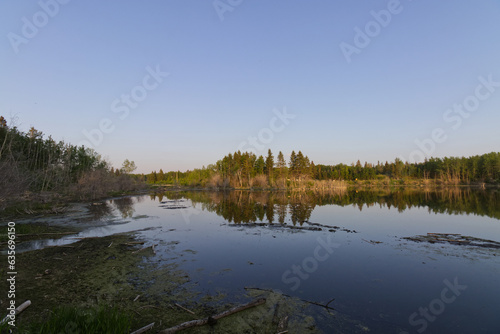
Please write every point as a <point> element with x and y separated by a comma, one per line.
<point>246,170</point>
<point>34,166</point>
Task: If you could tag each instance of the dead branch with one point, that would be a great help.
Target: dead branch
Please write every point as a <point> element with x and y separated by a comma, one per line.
<point>205,321</point>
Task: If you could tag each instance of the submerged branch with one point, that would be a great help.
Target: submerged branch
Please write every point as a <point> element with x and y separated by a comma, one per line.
<point>303,300</point>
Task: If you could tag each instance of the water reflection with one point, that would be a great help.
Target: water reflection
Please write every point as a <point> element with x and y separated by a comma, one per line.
<point>249,207</point>
<point>125,205</point>
<point>99,210</point>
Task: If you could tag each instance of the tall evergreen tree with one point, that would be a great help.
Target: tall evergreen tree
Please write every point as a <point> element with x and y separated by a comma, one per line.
<point>259,165</point>
<point>269,170</point>
<point>293,164</point>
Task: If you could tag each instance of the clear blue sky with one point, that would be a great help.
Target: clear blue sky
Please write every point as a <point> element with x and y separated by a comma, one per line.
<point>227,76</point>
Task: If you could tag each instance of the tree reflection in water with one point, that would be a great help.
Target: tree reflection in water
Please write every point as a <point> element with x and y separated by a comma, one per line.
<point>243,207</point>
<point>125,205</point>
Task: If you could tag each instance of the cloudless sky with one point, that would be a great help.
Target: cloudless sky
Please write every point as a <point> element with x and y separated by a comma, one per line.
<point>226,76</point>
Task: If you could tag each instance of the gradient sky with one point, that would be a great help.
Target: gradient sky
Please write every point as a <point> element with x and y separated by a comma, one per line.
<point>227,76</point>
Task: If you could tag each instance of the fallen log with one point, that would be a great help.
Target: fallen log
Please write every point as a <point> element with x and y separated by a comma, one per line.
<point>216,317</point>
<point>143,329</point>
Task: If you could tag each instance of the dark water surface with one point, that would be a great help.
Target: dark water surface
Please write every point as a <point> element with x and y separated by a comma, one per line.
<point>349,246</point>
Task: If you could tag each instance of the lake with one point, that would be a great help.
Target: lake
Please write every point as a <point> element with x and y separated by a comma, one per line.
<point>400,261</point>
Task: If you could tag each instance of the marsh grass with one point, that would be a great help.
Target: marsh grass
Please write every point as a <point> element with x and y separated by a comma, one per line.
<point>70,319</point>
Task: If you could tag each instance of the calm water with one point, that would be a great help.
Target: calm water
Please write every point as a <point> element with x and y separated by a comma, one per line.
<point>349,246</point>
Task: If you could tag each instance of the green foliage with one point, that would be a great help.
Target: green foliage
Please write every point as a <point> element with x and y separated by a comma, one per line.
<point>269,170</point>
<point>259,166</point>
<point>98,320</point>
<point>128,166</point>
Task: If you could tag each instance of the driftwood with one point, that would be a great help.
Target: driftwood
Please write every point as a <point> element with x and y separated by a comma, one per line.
<point>18,310</point>
<point>143,329</point>
<point>303,300</point>
<point>205,321</point>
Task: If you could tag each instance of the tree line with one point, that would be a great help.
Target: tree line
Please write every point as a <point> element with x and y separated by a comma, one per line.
<point>243,170</point>
<point>31,163</point>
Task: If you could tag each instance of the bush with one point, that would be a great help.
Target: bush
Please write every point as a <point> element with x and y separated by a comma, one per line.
<point>215,181</point>
<point>260,181</point>
<point>100,183</point>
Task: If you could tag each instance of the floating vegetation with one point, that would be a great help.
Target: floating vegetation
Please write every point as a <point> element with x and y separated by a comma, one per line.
<point>455,239</point>
<point>312,227</point>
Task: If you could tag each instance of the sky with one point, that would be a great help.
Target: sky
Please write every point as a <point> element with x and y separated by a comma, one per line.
<point>178,85</point>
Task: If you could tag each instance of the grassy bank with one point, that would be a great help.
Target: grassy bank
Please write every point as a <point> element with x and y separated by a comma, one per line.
<point>89,275</point>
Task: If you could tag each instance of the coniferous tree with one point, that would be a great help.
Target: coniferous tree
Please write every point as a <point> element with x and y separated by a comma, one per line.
<point>293,164</point>
<point>270,165</point>
<point>281,164</point>
<point>259,165</point>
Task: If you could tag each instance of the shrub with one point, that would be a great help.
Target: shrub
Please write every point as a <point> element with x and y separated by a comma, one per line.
<point>260,181</point>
